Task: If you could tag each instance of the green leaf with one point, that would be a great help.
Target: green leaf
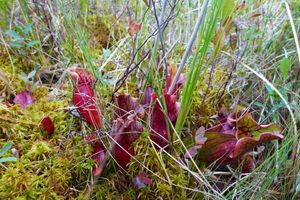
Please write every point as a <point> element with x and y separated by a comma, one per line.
<point>23,53</point>
<point>284,67</point>
<point>27,28</point>
<point>6,147</point>
<point>32,43</point>
<point>259,104</point>
<point>8,159</point>
<point>270,90</point>
<point>229,7</point>
<point>15,44</point>
<point>13,34</point>
<point>31,74</point>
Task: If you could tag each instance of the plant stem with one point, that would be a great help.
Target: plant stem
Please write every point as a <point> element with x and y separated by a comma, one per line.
<point>189,46</point>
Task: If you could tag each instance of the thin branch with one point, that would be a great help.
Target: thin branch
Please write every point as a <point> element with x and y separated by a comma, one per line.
<point>189,46</point>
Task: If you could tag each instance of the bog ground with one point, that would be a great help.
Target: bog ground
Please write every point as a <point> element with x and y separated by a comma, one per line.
<point>168,99</point>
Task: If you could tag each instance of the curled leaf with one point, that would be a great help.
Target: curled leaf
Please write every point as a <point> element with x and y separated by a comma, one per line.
<point>126,128</point>
<point>245,144</point>
<point>24,99</point>
<point>230,140</point>
<point>84,98</point>
<point>141,180</point>
<point>99,158</point>
<point>48,124</point>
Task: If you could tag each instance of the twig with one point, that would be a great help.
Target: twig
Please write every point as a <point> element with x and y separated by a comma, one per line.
<point>159,35</point>
<point>189,46</point>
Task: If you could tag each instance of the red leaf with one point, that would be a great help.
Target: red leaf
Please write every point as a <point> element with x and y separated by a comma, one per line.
<point>159,128</point>
<point>47,124</point>
<point>134,27</point>
<point>24,98</point>
<point>245,144</point>
<point>84,98</point>
<point>81,76</point>
<point>228,141</point>
<point>126,128</point>
<point>99,157</point>
<point>147,98</point>
<point>141,179</point>
<point>248,164</point>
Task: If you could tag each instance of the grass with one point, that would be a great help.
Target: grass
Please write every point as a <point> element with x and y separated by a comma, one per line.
<point>189,36</point>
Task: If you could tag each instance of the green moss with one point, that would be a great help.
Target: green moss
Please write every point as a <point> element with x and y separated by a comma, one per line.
<point>49,166</point>
<point>103,33</point>
<point>202,114</point>
<point>169,170</point>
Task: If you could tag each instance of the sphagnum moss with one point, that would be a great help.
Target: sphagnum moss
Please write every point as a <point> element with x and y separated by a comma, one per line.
<point>49,166</point>
<point>201,114</point>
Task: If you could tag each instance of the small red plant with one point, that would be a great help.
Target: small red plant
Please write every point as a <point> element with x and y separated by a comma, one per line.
<point>229,141</point>
<point>158,124</point>
<point>84,98</point>
<point>127,128</point>
<point>47,124</point>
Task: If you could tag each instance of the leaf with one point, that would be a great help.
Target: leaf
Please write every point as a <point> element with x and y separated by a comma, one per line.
<point>246,126</point>
<point>159,132</point>
<point>228,9</point>
<point>285,65</point>
<point>32,43</point>
<point>193,151</point>
<point>8,159</point>
<point>126,128</point>
<point>270,90</point>
<point>99,157</point>
<point>84,98</point>
<point>15,44</point>
<point>134,27</point>
<point>247,143</point>
<point>6,148</point>
<point>13,34</point>
<point>141,180</point>
<point>260,104</point>
<point>24,98</point>
<point>217,147</point>
<point>27,28</point>
<point>48,124</point>
<point>31,74</point>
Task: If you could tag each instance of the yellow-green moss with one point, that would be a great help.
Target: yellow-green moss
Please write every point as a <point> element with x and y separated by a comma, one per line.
<point>213,100</point>
<point>49,166</point>
<point>169,170</point>
<point>102,32</point>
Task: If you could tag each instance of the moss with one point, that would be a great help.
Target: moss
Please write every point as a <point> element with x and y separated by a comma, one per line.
<point>204,115</point>
<point>49,166</point>
<point>169,170</point>
<point>10,79</point>
<point>103,33</point>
